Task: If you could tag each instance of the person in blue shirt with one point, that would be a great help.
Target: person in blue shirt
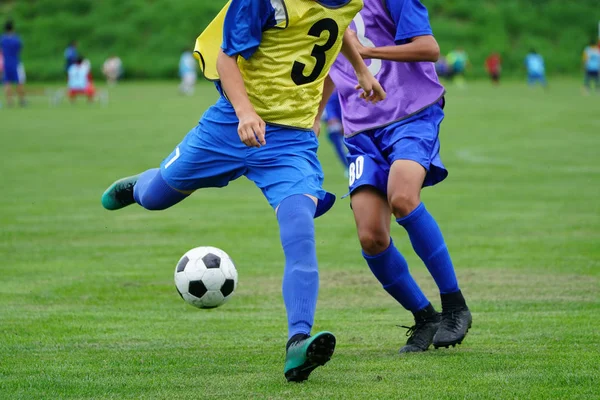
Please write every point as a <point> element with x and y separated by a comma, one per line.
<point>591,65</point>
<point>11,49</point>
<point>536,70</point>
<point>187,72</point>
<point>71,55</point>
<point>270,68</point>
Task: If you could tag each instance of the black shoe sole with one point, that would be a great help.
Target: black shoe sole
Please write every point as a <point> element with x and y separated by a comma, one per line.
<point>317,354</point>
<point>453,343</point>
<point>417,350</point>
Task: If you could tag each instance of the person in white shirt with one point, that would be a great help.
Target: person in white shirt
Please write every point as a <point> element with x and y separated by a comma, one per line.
<point>112,69</point>
<point>79,80</point>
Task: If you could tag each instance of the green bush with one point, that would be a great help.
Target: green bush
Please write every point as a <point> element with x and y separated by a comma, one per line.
<point>149,35</point>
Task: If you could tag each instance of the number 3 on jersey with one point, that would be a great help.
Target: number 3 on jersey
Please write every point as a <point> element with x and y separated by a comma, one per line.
<point>355,170</point>
<point>318,52</point>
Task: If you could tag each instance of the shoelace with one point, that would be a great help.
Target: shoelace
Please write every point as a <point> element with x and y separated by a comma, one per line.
<point>413,334</point>
<point>412,330</point>
<point>294,345</point>
<point>409,329</point>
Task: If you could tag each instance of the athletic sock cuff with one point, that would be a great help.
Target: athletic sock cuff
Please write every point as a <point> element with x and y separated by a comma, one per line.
<point>294,204</point>
<point>425,313</point>
<point>415,214</point>
<point>389,248</point>
<point>453,300</point>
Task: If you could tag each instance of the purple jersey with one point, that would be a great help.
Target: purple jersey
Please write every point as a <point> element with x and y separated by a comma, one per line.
<point>410,87</point>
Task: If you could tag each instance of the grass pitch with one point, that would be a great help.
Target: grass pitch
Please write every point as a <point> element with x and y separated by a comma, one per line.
<point>88,308</point>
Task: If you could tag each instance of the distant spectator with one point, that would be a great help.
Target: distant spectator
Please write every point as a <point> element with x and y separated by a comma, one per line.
<point>187,72</point>
<point>80,82</point>
<point>536,69</point>
<point>591,65</point>
<point>11,46</point>
<point>71,55</point>
<point>112,69</point>
<point>458,60</point>
<point>493,66</point>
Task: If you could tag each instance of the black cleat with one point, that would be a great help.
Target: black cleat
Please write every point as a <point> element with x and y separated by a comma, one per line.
<point>453,328</point>
<point>456,321</point>
<point>422,332</point>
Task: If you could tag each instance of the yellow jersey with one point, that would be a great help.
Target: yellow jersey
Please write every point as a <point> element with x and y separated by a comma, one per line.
<point>284,77</point>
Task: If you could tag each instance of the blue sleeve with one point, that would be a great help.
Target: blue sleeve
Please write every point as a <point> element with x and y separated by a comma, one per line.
<point>411,18</point>
<point>244,24</point>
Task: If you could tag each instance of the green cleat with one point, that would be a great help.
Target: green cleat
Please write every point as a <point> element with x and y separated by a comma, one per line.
<point>304,355</point>
<point>119,194</point>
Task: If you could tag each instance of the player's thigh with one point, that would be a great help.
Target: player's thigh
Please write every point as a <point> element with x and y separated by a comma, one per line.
<point>415,139</point>
<point>211,155</point>
<point>288,165</point>
<point>367,165</point>
<point>404,186</point>
<point>372,216</point>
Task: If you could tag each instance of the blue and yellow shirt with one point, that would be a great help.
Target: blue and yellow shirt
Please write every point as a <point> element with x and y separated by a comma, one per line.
<point>285,49</point>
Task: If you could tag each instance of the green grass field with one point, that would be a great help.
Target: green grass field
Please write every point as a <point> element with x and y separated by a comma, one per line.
<point>88,308</point>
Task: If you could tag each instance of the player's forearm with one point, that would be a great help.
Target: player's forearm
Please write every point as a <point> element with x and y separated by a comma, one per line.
<point>233,83</point>
<point>421,48</point>
<point>353,55</point>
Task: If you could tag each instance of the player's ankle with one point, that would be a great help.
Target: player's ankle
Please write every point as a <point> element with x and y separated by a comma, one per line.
<point>296,338</point>
<point>453,301</point>
<point>426,313</point>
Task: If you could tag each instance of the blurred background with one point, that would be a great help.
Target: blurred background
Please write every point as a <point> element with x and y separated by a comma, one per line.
<point>148,34</point>
<point>88,308</point>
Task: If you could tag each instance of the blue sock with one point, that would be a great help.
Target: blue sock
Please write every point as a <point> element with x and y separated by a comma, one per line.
<point>428,242</point>
<point>337,140</point>
<point>152,192</point>
<point>301,275</point>
<point>391,269</point>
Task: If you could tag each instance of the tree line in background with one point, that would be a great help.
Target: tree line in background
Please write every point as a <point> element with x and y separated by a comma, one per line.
<point>149,35</point>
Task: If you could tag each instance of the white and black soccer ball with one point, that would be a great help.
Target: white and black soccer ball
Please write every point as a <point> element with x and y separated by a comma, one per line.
<point>205,277</point>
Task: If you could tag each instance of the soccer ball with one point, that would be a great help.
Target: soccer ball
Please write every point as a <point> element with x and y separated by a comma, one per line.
<point>205,277</point>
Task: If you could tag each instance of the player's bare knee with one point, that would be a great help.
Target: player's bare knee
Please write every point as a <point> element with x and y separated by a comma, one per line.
<point>403,203</point>
<point>373,241</point>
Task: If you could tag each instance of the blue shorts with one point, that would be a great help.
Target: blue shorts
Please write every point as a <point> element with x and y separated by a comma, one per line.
<point>212,155</point>
<point>591,76</point>
<point>372,153</point>
<point>533,78</point>
<point>11,75</point>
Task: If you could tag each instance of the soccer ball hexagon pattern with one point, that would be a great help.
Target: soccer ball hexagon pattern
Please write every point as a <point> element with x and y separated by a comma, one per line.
<point>205,277</point>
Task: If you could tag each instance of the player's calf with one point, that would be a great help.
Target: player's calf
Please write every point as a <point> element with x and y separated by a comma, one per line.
<point>148,189</point>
